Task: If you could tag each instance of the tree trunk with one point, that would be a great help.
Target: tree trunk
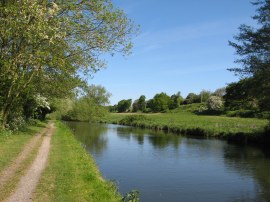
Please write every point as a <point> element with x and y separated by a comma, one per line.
<point>4,118</point>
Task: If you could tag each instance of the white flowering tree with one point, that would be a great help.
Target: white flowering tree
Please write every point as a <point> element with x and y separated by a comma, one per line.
<point>214,103</point>
<point>45,46</point>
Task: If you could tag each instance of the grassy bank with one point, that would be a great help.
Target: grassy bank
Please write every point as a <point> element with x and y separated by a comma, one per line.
<point>188,123</point>
<point>71,174</point>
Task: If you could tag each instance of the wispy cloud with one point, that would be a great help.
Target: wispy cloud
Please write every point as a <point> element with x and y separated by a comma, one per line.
<point>151,40</point>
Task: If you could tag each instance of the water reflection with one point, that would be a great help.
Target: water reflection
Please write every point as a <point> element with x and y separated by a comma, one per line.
<point>167,167</point>
<point>157,139</point>
<point>250,161</point>
<point>93,138</point>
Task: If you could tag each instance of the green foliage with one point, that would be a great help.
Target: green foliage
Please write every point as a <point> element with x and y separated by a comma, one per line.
<point>263,115</point>
<point>193,108</point>
<point>238,95</point>
<point>98,93</point>
<point>220,92</point>
<point>85,109</point>
<point>192,98</point>
<point>112,108</point>
<point>133,119</point>
<point>160,102</point>
<point>242,113</point>
<point>132,196</point>
<point>48,48</point>
<point>60,108</point>
<point>142,103</point>
<point>176,100</point>
<point>205,95</point>
<point>253,48</point>
<point>124,105</point>
<point>89,107</point>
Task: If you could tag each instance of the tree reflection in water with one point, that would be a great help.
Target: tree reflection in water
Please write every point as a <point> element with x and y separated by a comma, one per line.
<point>251,161</point>
<point>92,136</point>
<point>158,139</point>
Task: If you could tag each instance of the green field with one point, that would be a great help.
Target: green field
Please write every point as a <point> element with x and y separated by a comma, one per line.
<point>184,121</point>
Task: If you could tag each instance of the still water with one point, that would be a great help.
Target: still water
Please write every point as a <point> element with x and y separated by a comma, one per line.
<point>171,168</point>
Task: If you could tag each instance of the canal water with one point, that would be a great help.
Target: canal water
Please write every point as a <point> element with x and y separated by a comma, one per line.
<point>171,168</point>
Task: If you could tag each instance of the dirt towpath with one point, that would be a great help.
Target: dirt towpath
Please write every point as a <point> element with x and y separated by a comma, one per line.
<point>27,184</point>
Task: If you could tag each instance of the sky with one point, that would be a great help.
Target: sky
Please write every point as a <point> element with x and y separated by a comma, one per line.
<point>182,46</point>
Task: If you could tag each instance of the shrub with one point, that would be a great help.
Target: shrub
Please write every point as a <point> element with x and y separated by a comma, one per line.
<point>214,103</point>
<point>241,113</point>
<point>128,120</point>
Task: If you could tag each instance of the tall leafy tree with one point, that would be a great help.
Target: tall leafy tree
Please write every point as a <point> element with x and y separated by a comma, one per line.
<point>124,105</point>
<point>253,48</point>
<point>192,98</point>
<point>45,46</point>
<point>160,102</point>
<point>176,100</point>
<point>90,106</point>
<point>141,103</point>
<point>204,95</point>
<point>238,95</point>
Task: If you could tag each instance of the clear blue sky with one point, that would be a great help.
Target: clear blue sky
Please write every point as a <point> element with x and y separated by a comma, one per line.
<point>182,46</point>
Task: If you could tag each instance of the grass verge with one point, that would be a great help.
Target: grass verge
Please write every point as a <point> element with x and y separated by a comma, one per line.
<point>71,174</point>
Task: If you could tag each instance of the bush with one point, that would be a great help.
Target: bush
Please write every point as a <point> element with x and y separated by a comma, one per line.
<point>214,103</point>
<point>241,113</point>
<point>16,123</point>
<point>129,120</point>
<point>263,115</point>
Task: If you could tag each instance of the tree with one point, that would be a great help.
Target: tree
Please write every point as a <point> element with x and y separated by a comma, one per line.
<point>90,106</point>
<point>204,95</point>
<point>238,95</point>
<point>142,103</point>
<point>176,100</point>
<point>253,47</point>
<point>46,46</point>
<point>220,92</point>
<point>135,106</point>
<point>124,105</point>
<point>98,93</point>
<point>160,102</point>
<point>192,98</point>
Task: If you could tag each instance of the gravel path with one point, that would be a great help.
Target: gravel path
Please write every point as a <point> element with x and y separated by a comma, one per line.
<point>29,181</point>
<point>9,172</point>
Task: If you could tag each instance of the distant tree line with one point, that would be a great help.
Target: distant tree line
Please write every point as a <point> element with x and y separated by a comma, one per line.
<point>162,102</point>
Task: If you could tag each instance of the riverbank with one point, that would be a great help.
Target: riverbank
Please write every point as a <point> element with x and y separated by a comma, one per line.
<point>235,129</point>
<point>71,174</point>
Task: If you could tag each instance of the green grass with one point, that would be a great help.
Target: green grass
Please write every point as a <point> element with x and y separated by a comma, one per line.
<point>186,122</point>
<point>71,174</point>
